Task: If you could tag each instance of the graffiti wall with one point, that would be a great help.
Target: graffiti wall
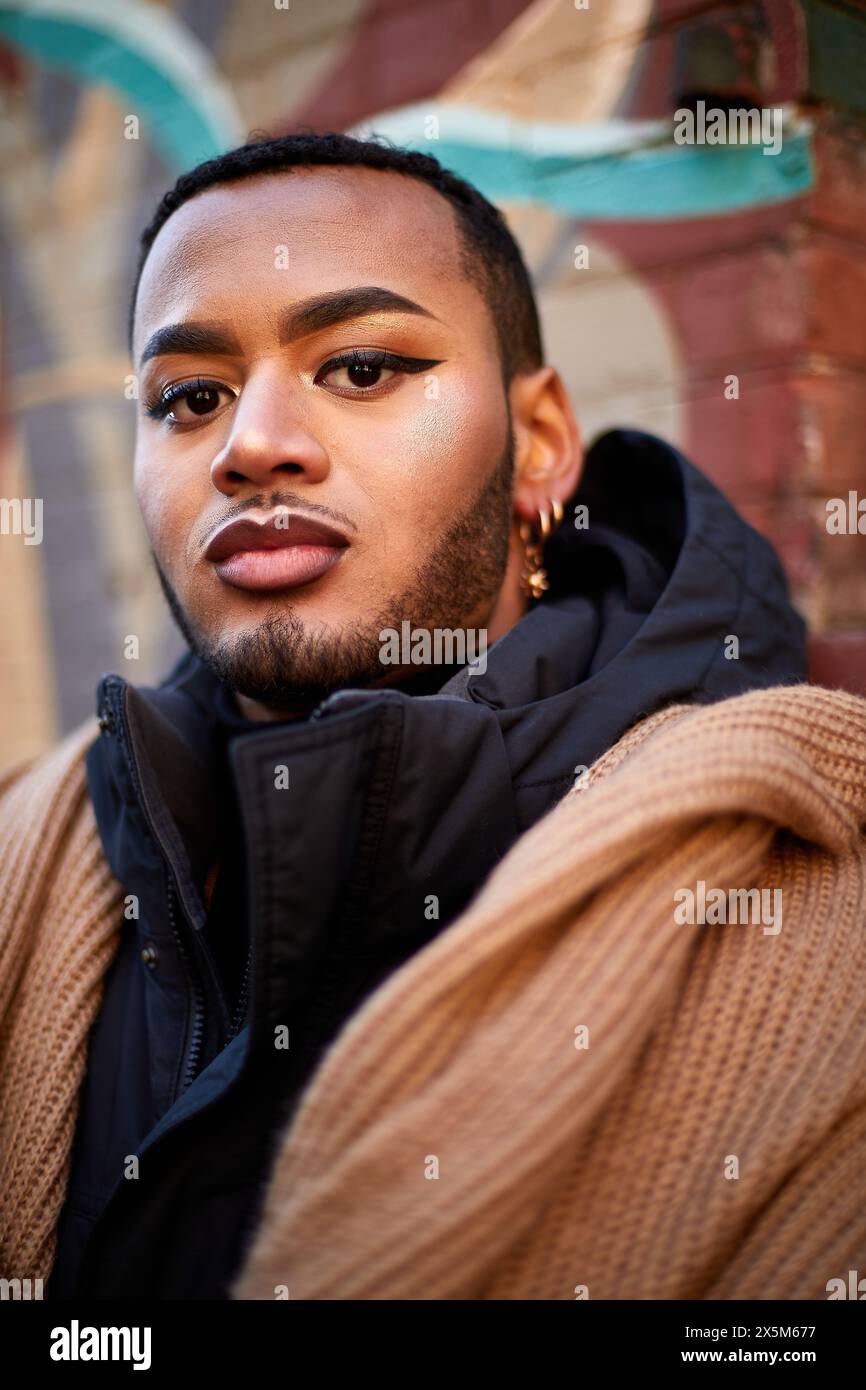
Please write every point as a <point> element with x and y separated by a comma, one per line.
<point>714,294</point>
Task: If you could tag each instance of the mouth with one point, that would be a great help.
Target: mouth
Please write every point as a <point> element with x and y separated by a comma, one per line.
<point>281,551</point>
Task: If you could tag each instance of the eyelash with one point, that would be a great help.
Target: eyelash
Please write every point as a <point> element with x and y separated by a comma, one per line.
<point>158,406</point>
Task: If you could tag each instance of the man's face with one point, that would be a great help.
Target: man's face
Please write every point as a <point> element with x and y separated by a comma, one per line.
<point>405,452</point>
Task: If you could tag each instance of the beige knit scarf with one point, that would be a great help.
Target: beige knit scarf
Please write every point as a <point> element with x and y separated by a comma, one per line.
<point>568,1093</point>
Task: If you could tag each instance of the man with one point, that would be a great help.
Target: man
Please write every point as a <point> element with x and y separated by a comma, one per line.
<point>348,437</point>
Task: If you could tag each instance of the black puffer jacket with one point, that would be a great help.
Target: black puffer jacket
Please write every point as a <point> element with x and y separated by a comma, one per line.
<point>397,797</point>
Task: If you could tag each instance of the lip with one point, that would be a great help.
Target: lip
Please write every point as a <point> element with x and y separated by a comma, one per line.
<point>259,555</point>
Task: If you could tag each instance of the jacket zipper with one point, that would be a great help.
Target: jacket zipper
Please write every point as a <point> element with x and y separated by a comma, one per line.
<point>192,975</point>
<point>190,967</point>
<point>241,1007</point>
<point>197,1030</point>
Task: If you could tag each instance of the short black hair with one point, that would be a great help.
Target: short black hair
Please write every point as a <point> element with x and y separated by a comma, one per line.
<point>491,258</point>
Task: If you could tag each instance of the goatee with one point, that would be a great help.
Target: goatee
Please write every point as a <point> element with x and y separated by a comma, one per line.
<point>281,664</point>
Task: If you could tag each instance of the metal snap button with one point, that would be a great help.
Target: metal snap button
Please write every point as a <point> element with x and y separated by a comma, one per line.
<point>105,721</point>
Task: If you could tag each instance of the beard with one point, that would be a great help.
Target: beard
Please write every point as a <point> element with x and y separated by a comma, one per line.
<point>281,663</point>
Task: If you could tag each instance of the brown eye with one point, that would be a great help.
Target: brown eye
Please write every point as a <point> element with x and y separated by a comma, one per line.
<point>358,374</point>
<point>363,368</point>
<point>188,401</point>
<point>203,400</point>
<point>196,402</point>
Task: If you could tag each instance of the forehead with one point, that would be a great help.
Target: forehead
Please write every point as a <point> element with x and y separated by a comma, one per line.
<point>260,242</point>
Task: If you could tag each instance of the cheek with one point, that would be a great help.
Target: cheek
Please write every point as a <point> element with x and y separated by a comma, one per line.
<point>164,498</point>
<point>435,441</point>
<point>457,428</point>
<point>435,462</point>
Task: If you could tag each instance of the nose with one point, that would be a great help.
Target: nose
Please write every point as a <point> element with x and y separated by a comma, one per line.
<point>270,438</point>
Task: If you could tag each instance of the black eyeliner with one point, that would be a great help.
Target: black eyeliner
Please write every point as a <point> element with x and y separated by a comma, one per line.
<point>378,357</point>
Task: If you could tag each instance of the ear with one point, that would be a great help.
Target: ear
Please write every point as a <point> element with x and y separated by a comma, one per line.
<point>548,453</point>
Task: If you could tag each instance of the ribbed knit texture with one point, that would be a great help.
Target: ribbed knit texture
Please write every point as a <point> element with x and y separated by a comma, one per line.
<point>558,1167</point>
<point>60,914</point>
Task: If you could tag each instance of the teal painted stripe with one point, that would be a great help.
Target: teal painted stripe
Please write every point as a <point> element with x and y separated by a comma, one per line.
<point>169,117</point>
<point>660,183</point>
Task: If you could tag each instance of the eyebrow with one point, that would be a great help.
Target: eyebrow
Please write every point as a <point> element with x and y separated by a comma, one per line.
<point>302,319</point>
